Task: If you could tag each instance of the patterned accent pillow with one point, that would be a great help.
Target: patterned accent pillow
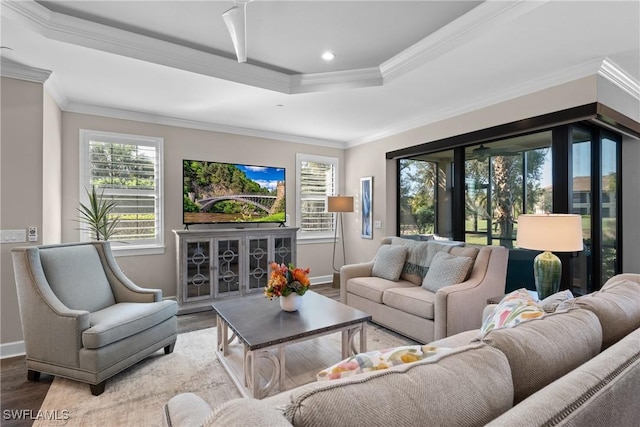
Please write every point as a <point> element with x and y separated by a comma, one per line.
<point>446,270</point>
<point>515,308</point>
<point>389,261</point>
<point>379,359</point>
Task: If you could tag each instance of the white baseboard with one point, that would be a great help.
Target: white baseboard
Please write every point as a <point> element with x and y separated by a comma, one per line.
<point>321,280</point>
<point>12,349</point>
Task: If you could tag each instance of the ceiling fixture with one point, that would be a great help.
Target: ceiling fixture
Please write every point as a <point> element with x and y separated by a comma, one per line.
<point>481,153</point>
<point>328,56</point>
<point>236,22</point>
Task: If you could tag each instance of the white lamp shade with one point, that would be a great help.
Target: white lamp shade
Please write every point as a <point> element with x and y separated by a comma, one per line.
<point>550,232</point>
<point>340,204</point>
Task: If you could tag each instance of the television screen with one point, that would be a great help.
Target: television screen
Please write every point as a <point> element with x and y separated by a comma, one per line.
<point>217,192</point>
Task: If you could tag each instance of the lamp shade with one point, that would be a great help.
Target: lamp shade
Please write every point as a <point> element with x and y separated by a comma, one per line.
<point>550,232</point>
<point>340,204</point>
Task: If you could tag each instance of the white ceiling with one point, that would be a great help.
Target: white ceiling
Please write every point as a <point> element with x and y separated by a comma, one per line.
<point>398,65</point>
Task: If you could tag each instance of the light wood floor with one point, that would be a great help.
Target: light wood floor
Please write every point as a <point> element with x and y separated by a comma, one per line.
<point>19,394</point>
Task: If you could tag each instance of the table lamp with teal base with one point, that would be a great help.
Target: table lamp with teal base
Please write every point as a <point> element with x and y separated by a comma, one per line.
<point>549,232</point>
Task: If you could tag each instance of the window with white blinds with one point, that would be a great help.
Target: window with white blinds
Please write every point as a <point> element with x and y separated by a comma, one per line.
<point>128,170</point>
<point>317,179</point>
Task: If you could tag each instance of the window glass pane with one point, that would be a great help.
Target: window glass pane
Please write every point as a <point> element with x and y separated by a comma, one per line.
<point>417,197</point>
<point>425,195</point>
<point>126,169</point>
<point>581,205</point>
<point>504,179</point>
<point>609,209</point>
<point>317,180</point>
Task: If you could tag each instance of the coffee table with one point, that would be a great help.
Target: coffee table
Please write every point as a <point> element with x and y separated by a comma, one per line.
<point>260,325</point>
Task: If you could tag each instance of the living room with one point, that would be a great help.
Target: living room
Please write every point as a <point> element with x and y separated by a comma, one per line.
<point>41,148</point>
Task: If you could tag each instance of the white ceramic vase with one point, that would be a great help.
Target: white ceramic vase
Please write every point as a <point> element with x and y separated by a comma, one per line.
<point>290,302</point>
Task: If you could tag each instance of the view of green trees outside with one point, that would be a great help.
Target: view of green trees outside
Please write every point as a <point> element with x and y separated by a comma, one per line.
<point>500,184</point>
<point>418,182</point>
<point>125,173</point>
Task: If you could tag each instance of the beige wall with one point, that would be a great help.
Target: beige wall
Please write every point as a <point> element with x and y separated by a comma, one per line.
<point>181,143</point>
<point>51,231</point>
<point>20,183</point>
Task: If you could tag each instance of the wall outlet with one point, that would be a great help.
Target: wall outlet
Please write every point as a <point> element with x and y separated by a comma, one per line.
<point>14,236</point>
<point>377,224</point>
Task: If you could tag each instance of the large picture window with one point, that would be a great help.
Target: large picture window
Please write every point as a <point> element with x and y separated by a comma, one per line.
<point>128,170</point>
<point>568,168</point>
<point>317,178</point>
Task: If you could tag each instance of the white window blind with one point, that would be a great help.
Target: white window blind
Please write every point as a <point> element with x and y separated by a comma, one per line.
<point>317,179</point>
<point>128,170</point>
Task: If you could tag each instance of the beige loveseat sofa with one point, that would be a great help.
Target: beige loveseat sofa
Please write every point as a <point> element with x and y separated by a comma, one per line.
<point>579,367</point>
<point>408,307</point>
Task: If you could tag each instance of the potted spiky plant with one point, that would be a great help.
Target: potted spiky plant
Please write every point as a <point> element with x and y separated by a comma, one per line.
<point>98,215</point>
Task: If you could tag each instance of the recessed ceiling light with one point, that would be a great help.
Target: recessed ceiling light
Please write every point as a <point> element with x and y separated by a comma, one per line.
<point>328,56</point>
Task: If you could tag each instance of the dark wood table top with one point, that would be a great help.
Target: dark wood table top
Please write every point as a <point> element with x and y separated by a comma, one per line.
<point>260,322</point>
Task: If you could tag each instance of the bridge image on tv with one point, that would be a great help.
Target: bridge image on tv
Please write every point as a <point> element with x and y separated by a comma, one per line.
<point>222,192</point>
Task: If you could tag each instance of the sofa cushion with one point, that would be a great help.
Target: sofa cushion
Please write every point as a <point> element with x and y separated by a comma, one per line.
<point>413,393</point>
<point>389,262</point>
<point>617,306</point>
<point>414,300</point>
<point>516,307</point>
<point>372,288</point>
<point>550,304</point>
<point>446,270</point>
<point>377,360</point>
<point>125,319</point>
<point>77,277</point>
<point>419,256</point>
<point>544,349</point>
<point>601,392</point>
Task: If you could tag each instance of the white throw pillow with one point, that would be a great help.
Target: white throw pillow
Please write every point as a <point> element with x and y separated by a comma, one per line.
<point>446,270</point>
<point>389,262</point>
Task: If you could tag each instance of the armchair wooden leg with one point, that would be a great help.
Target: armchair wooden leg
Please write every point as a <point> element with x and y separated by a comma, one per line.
<point>97,389</point>
<point>168,349</point>
<point>33,375</point>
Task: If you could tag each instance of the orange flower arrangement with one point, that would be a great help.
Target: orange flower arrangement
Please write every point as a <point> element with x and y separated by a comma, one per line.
<point>285,280</point>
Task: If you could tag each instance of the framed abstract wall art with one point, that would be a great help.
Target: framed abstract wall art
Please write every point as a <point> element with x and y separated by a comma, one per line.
<point>366,207</point>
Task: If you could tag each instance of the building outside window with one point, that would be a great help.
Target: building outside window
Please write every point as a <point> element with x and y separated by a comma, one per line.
<point>128,170</point>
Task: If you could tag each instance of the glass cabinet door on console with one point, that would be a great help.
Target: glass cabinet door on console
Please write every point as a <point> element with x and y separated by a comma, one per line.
<point>258,259</point>
<point>197,274</point>
<point>284,248</point>
<point>227,267</point>
<point>225,263</point>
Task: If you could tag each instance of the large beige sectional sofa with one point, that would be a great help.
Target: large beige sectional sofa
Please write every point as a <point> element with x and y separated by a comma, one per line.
<point>407,307</point>
<point>576,367</point>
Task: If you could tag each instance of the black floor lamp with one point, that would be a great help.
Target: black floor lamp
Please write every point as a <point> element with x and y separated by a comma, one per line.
<point>339,205</point>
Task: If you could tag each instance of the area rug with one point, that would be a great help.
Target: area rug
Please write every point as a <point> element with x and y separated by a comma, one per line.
<point>136,396</point>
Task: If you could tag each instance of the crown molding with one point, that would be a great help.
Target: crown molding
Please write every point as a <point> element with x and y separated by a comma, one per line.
<point>455,34</point>
<point>72,107</point>
<point>610,71</point>
<point>80,32</point>
<point>531,86</point>
<point>16,70</point>
<point>349,79</point>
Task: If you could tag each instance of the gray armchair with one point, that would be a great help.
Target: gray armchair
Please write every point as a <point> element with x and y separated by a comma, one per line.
<point>82,318</point>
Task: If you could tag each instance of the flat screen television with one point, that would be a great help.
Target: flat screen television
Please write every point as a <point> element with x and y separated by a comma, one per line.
<point>216,192</point>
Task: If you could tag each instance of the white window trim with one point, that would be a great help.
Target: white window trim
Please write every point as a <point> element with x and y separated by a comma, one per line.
<point>128,249</point>
<point>320,236</point>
